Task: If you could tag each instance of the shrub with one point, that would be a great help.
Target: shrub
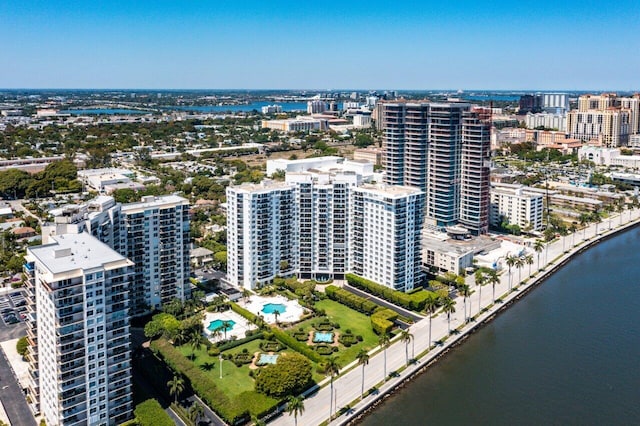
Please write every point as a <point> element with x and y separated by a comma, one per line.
<point>382,320</point>
<point>292,343</point>
<point>301,337</point>
<point>414,300</point>
<point>243,312</point>
<point>22,346</point>
<point>290,375</point>
<point>324,349</point>
<point>235,343</point>
<point>351,300</point>
<point>213,351</point>
<point>150,413</point>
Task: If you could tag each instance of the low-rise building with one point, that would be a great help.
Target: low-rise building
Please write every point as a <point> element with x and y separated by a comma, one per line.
<point>517,204</point>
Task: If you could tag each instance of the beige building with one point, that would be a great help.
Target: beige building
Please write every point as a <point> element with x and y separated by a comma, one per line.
<point>370,154</point>
<point>607,118</point>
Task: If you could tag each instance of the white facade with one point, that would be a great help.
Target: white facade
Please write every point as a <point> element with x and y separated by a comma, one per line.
<point>80,351</point>
<point>298,124</point>
<point>321,225</point>
<point>323,164</point>
<point>97,179</point>
<point>158,242</point>
<point>517,205</point>
<point>271,109</point>
<point>442,256</point>
<point>608,157</point>
<point>362,120</point>
<point>262,239</point>
<point>316,107</point>
<point>547,120</point>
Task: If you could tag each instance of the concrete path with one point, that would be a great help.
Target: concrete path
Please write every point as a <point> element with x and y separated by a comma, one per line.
<point>347,388</point>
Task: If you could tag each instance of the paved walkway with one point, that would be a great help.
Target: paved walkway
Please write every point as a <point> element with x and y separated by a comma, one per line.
<point>347,388</point>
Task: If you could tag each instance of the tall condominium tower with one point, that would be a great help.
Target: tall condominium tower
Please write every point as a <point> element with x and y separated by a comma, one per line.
<point>79,348</point>
<point>385,244</point>
<point>322,223</point>
<point>442,149</point>
<point>157,231</point>
<point>262,237</point>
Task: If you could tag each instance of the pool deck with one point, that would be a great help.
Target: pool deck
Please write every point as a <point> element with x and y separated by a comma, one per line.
<point>292,313</point>
<point>239,328</point>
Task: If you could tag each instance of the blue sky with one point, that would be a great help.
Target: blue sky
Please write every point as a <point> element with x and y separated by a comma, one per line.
<point>203,44</point>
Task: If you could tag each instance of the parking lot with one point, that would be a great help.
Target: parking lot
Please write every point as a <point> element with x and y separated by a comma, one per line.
<point>13,308</point>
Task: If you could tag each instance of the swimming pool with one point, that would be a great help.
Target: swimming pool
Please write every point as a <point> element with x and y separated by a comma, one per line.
<point>322,337</point>
<point>270,308</point>
<point>219,325</point>
<point>267,359</point>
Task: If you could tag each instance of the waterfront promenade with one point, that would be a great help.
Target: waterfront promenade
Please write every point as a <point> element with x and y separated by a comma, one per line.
<point>347,388</point>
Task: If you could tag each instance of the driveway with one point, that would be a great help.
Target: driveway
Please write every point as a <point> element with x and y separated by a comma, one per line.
<point>12,396</point>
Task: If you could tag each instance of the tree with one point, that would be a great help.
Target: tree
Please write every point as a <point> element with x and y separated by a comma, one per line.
<point>195,412</point>
<point>176,386</point>
<point>276,314</point>
<point>528,259</point>
<point>295,406</point>
<point>22,346</point>
<point>246,295</point>
<point>538,246</point>
<point>406,337</point>
<point>363,360</point>
<point>448,307</point>
<point>519,265</point>
<point>480,280</point>
<point>196,342</point>
<point>573,230</point>
<point>331,368</point>
<point>465,292</point>
<point>430,307</point>
<point>290,375</point>
<point>511,260</point>
<point>584,220</point>
<point>384,341</point>
<point>225,326</point>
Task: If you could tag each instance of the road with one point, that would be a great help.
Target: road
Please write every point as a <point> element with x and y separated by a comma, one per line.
<point>383,302</point>
<point>347,388</point>
<point>16,205</point>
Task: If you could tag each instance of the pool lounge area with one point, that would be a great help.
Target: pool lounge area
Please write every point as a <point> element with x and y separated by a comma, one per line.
<point>235,325</point>
<point>288,310</point>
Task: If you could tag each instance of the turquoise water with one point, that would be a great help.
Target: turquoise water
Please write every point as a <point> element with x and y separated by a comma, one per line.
<point>322,337</point>
<point>567,354</point>
<point>103,111</point>
<point>270,308</point>
<point>267,359</point>
<point>217,325</point>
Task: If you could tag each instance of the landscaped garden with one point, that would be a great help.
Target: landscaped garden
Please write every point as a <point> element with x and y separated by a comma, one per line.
<point>243,378</point>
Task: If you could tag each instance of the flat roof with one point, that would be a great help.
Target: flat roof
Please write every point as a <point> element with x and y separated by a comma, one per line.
<point>148,202</point>
<point>70,252</point>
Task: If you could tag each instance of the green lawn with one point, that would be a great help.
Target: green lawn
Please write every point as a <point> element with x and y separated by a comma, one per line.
<point>359,324</point>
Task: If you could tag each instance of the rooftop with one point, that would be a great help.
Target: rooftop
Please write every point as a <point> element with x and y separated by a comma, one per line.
<point>72,252</point>
<point>151,201</point>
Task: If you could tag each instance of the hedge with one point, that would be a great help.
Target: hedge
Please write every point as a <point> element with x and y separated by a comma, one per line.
<point>243,312</point>
<point>351,300</point>
<point>150,413</point>
<point>231,410</point>
<point>294,285</point>
<point>414,301</point>
<point>292,343</point>
<point>382,320</point>
<point>235,343</point>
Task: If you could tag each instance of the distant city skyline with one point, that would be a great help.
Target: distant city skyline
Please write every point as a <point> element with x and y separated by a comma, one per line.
<point>568,45</point>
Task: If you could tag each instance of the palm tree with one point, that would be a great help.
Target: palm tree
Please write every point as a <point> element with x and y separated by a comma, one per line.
<point>528,259</point>
<point>363,360</point>
<point>215,334</point>
<point>465,292</point>
<point>519,264</point>
<point>573,230</point>
<point>384,341</point>
<point>295,406</point>
<point>276,313</point>
<point>448,307</point>
<point>406,337</point>
<point>538,246</point>
<point>510,260</point>
<point>246,295</point>
<point>196,342</point>
<point>225,326</point>
<point>493,279</point>
<point>584,220</point>
<point>195,412</point>
<point>332,368</point>
<point>480,280</point>
<point>620,209</point>
<point>430,306</point>
<point>595,217</point>
<point>176,386</point>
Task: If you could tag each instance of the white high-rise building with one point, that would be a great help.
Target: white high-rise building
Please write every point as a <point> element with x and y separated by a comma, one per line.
<point>385,227</point>
<point>309,227</point>
<point>316,107</point>
<point>262,238</point>
<point>79,353</point>
<point>158,242</point>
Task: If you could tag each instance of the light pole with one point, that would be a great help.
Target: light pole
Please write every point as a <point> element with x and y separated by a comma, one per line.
<point>220,359</point>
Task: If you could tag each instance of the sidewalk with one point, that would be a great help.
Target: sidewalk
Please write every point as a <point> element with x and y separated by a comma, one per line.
<point>347,388</point>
